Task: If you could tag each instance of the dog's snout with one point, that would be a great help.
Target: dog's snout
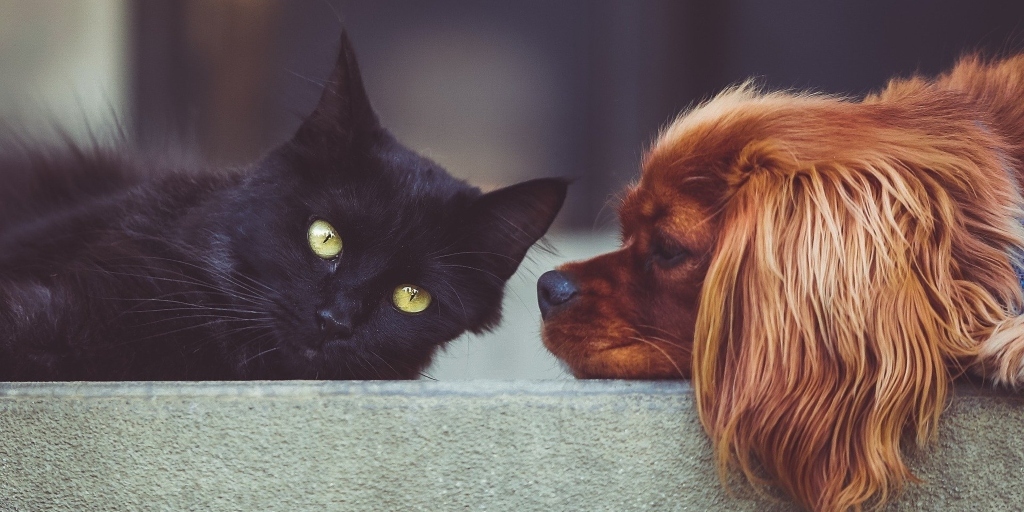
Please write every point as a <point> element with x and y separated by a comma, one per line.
<point>554,289</point>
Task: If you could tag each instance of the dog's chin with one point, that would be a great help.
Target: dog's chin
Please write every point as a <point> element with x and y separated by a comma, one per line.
<point>592,356</point>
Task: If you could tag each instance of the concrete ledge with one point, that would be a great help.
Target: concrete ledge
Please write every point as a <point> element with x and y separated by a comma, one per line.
<point>523,446</point>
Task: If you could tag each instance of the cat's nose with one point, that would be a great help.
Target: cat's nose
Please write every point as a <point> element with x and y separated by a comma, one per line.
<point>554,289</point>
<point>334,323</point>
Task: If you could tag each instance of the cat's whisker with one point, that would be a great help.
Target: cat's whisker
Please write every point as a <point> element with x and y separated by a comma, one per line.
<point>234,279</point>
<point>244,297</point>
<point>465,315</point>
<point>259,354</point>
<point>488,253</point>
<point>496,278</point>
<point>385,361</point>
<point>139,308</point>
<point>254,299</point>
<point>337,15</point>
<point>183,329</point>
<point>234,331</point>
<point>249,324</point>
<point>221,318</point>
<point>237,277</point>
<point>318,83</point>
<point>186,306</point>
<point>135,341</point>
<point>141,303</point>
<point>193,306</point>
<point>513,224</point>
<point>361,360</point>
<point>442,250</point>
<point>253,281</point>
<point>256,334</point>
<point>210,269</point>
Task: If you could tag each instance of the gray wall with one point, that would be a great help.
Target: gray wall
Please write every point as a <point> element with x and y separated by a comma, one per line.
<point>63,64</point>
<point>523,446</point>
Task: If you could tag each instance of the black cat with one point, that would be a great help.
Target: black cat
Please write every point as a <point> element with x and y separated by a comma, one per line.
<point>340,255</point>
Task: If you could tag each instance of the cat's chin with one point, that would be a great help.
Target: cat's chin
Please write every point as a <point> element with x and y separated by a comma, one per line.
<point>317,356</point>
<point>316,352</point>
<point>335,359</point>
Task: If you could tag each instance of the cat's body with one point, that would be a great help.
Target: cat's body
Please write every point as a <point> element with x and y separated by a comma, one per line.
<point>115,269</point>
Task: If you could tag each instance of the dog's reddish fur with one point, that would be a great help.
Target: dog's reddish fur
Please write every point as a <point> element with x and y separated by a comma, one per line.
<point>842,262</point>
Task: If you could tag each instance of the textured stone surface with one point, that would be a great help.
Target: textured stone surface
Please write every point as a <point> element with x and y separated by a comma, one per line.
<point>520,446</point>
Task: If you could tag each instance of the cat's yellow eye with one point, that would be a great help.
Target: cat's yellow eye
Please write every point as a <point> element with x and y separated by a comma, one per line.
<point>410,299</point>
<point>324,240</point>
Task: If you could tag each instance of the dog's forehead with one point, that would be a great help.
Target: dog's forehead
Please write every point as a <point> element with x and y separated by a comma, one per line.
<point>656,204</point>
<point>706,141</point>
<point>636,207</point>
<point>681,188</point>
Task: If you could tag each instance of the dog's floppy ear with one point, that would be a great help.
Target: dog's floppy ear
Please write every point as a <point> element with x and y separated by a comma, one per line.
<point>837,295</point>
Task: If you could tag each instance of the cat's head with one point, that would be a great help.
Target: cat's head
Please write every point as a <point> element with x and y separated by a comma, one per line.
<point>367,256</point>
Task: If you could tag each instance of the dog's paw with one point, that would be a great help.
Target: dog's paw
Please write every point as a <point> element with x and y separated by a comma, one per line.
<point>1001,356</point>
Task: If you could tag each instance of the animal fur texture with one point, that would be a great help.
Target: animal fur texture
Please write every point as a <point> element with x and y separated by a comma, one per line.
<point>116,267</point>
<point>822,269</point>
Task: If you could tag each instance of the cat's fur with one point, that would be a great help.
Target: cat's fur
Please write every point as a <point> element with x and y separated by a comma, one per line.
<point>112,268</point>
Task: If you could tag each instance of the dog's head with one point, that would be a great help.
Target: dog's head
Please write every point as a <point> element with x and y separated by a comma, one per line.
<point>817,266</point>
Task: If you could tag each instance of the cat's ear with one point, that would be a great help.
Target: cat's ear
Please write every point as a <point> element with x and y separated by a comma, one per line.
<point>343,112</point>
<point>505,223</point>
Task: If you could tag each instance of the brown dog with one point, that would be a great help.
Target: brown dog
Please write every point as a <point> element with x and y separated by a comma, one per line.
<point>821,268</point>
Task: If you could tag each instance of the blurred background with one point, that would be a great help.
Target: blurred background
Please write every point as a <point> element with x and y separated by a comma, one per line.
<point>497,91</point>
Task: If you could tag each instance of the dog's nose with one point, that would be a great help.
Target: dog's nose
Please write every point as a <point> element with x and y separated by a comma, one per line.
<point>554,289</point>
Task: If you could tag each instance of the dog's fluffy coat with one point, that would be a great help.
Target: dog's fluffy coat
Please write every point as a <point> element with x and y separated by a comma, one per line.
<point>822,269</point>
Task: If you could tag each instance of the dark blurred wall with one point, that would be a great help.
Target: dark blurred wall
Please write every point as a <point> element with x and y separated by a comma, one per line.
<point>854,47</point>
<point>500,91</point>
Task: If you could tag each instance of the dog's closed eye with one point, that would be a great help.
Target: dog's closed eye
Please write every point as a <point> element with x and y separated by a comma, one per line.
<point>668,253</point>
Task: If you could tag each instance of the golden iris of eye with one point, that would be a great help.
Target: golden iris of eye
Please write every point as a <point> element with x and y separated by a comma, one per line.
<point>410,299</point>
<point>324,240</point>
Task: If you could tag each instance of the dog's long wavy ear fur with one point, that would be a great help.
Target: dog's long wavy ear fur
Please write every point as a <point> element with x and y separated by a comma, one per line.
<point>840,298</point>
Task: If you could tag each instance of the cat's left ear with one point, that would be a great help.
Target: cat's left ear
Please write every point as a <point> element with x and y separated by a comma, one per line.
<point>505,223</point>
<point>343,112</point>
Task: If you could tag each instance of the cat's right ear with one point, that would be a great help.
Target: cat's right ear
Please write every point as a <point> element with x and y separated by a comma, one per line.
<point>343,113</point>
<point>505,223</point>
